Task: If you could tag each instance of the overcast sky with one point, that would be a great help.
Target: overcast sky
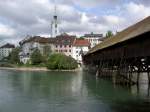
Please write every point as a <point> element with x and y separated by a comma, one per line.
<point>19,18</point>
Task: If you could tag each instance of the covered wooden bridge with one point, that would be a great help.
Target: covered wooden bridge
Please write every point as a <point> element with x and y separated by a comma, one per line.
<point>128,51</point>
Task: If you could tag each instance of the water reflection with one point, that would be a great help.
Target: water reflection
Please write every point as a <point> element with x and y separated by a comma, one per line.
<point>119,98</point>
<point>67,92</point>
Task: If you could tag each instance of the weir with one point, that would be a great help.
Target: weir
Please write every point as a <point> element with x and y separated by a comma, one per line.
<point>127,53</point>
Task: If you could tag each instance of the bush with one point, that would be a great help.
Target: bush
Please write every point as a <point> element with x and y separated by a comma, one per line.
<point>5,64</point>
<point>61,62</point>
<point>14,56</point>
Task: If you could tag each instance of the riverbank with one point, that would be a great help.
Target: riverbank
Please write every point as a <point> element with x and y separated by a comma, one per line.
<point>36,69</point>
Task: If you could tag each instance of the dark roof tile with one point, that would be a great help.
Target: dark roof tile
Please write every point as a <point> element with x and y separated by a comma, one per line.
<point>8,45</point>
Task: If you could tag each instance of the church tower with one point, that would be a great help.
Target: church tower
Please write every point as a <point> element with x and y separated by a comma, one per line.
<point>54,23</point>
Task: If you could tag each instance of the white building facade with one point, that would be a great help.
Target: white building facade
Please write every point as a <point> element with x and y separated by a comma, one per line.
<point>5,50</point>
<point>79,48</point>
<point>30,44</point>
<point>94,39</point>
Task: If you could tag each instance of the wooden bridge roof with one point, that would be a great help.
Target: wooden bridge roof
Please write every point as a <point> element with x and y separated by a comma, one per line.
<point>129,33</point>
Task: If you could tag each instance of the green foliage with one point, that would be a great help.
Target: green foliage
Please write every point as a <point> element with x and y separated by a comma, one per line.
<point>81,38</point>
<point>6,64</point>
<point>14,56</point>
<point>109,34</point>
<point>36,57</point>
<point>61,62</point>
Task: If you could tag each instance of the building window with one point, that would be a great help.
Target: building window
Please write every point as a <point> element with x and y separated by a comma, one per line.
<point>65,46</point>
<point>69,45</point>
<point>69,50</point>
<point>76,51</point>
<point>56,46</point>
<point>60,46</point>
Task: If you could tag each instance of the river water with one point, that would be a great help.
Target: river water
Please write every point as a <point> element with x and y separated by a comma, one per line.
<point>68,92</point>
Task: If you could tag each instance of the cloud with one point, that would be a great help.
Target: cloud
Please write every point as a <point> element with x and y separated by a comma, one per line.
<point>19,18</point>
<point>133,12</point>
<point>95,3</point>
<point>138,10</point>
<point>68,13</point>
<point>6,30</point>
<point>144,2</point>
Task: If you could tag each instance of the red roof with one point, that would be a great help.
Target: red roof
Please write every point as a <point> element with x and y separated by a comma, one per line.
<point>80,42</point>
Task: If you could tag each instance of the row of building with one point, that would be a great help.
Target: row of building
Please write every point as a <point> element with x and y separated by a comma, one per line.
<point>64,43</point>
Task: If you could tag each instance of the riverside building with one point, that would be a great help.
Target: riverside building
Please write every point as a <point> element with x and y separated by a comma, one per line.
<point>29,44</point>
<point>66,44</point>
<point>80,47</point>
<point>5,50</point>
<point>94,39</point>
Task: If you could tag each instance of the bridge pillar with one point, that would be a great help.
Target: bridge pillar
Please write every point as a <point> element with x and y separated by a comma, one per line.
<point>99,70</point>
<point>138,77</point>
<point>130,78</point>
<point>97,73</point>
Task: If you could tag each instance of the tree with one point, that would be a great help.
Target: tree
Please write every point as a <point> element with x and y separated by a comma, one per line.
<point>81,38</point>
<point>47,50</point>
<point>14,56</point>
<point>36,57</point>
<point>109,34</point>
<point>61,62</point>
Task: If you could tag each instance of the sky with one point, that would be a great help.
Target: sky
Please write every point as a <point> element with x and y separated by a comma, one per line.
<point>19,18</point>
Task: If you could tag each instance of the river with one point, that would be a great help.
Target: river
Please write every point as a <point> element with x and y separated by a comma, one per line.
<point>22,91</point>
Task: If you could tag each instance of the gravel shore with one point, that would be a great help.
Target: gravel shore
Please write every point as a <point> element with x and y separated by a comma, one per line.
<point>35,69</point>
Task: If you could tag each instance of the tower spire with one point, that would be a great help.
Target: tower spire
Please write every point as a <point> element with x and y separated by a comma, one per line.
<point>54,23</point>
<point>55,8</point>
